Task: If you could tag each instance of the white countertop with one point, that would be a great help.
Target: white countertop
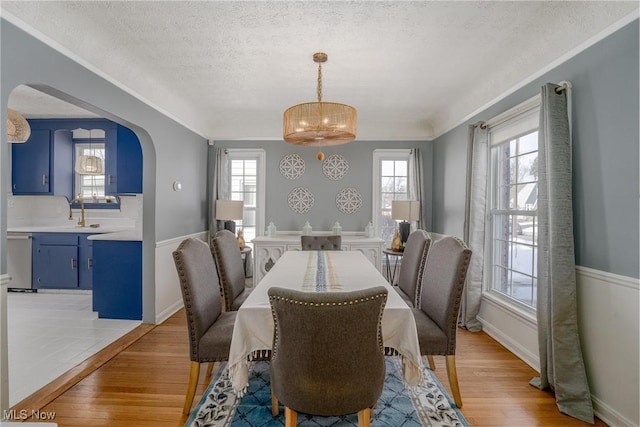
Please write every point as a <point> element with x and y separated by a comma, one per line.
<point>106,232</point>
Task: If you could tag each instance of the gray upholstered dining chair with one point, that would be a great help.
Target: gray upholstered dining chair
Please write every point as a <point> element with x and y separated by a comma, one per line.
<point>225,250</point>
<point>412,267</point>
<point>437,318</point>
<point>321,243</point>
<point>327,354</point>
<point>209,329</point>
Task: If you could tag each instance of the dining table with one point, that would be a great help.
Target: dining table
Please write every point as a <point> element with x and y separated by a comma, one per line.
<point>320,271</point>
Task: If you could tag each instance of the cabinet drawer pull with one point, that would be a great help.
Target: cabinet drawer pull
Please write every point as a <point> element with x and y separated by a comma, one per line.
<point>89,263</point>
<point>110,179</point>
<point>44,179</point>
<point>73,263</point>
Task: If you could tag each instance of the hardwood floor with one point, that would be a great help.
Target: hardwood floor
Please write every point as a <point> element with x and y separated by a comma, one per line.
<point>144,385</point>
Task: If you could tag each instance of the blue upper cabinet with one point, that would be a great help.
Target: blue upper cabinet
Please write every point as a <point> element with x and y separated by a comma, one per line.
<point>44,164</point>
<point>31,171</point>
<point>123,162</point>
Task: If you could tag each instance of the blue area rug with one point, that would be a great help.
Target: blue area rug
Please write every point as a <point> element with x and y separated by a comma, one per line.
<point>425,405</point>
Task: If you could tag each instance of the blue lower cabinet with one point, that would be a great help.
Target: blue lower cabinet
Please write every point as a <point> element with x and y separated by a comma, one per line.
<point>117,279</point>
<point>61,261</point>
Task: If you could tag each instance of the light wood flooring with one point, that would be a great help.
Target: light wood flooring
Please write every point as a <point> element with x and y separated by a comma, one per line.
<point>141,380</point>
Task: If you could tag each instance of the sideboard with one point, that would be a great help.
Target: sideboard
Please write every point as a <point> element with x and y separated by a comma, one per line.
<point>267,250</point>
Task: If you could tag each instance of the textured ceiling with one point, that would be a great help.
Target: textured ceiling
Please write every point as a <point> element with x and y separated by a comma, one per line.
<point>229,69</point>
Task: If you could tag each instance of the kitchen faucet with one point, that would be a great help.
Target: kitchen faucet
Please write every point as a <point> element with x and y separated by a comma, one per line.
<point>81,221</point>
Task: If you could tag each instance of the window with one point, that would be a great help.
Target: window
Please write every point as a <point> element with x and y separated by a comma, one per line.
<point>513,225</point>
<point>90,187</point>
<point>391,178</point>
<point>246,170</point>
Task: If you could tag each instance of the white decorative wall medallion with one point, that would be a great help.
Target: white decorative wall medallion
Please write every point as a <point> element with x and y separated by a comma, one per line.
<point>300,200</point>
<point>335,167</point>
<point>348,200</point>
<point>291,166</point>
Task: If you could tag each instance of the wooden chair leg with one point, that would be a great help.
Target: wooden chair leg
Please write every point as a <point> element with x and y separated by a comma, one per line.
<point>210,368</point>
<point>453,380</point>
<point>432,363</point>
<point>274,404</point>
<point>364,418</point>
<point>290,417</point>
<point>194,373</point>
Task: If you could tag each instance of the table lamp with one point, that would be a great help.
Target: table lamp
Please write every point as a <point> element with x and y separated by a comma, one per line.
<point>228,211</point>
<point>405,210</point>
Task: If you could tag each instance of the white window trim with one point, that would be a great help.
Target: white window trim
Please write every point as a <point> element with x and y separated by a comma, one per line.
<point>259,155</point>
<point>515,122</point>
<point>378,155</point>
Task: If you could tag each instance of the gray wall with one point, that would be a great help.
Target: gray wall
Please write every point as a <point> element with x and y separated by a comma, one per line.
<point>175,152</point>
<point>359,155</point>
<point>605,154</point>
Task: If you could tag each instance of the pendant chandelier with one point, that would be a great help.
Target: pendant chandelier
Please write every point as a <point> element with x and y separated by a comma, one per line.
<point>89,164</point>
<point>320,123</point>
<point>18,129</point>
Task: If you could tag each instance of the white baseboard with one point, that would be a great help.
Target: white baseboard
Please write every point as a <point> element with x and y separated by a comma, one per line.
<point>168,312</point>
<point>514,346</point>
<point>610,416</point>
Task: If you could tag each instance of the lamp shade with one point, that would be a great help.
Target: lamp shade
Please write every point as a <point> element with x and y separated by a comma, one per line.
<point>320,123</point>
<point>405,210</point>
<point>229,209</point>
<point>89,165</point>
<point>18,129</point>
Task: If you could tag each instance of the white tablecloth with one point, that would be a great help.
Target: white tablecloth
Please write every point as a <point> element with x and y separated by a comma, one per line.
<point>315,271</point>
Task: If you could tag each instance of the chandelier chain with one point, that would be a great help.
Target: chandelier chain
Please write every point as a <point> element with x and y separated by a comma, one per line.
<point>319,82</point>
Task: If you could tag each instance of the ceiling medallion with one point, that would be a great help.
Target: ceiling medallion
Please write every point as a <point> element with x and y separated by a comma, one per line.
<point>320,123</point>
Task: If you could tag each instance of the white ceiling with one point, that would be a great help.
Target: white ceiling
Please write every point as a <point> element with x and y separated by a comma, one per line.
<point>229,69</point>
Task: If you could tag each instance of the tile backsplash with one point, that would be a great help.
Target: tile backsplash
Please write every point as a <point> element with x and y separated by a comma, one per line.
<point>25,211</point>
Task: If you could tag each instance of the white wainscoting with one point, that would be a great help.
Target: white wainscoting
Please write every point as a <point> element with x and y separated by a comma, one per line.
<point>608,310</point>
<point>168,294</point>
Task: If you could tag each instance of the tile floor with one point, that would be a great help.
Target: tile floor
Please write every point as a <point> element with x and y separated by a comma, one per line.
<point>50,333</point>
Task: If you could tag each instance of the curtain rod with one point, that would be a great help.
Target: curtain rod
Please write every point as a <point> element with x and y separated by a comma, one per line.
<point>522,107</point>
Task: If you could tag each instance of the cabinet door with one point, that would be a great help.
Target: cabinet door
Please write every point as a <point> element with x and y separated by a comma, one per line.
<point>31,164</point>
<point>85,263</point>
<point>123,162</point>
<point>55,267</point>
<point>117,285</point>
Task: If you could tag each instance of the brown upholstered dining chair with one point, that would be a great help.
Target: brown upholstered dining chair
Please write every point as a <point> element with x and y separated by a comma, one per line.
<point>321,243</point>
<point>437,318</point>
<point>412,267</point>
<point>209,329</point>
<point>225,250</point>
<point>327,357</point>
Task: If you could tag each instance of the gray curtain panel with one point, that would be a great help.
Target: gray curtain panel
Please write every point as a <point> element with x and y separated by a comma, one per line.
<point>561,363</point>
<point>218,185</point>
<point>415,163</point>
<point>474,224</point>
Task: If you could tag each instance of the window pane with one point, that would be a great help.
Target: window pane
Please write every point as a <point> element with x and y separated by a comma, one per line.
<point>514,236</point>
<point>401,185</point>
<point>528,143</point>
<point>401,167</point>
<point>386,168</point>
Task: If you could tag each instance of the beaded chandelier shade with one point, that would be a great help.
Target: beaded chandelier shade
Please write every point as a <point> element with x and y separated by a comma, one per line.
<point>320,123</point>
<point>18,129</point>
